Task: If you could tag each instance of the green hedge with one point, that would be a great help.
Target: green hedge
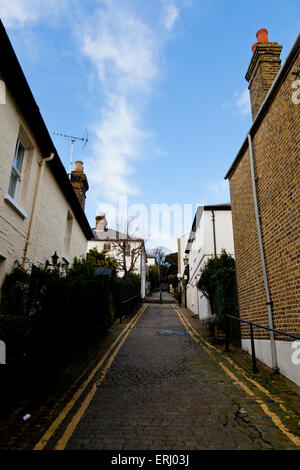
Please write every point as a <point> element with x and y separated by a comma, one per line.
<point>125,288</point>
<point>45,317</point>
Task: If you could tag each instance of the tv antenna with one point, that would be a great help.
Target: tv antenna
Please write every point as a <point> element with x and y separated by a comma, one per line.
<point>74,139</point>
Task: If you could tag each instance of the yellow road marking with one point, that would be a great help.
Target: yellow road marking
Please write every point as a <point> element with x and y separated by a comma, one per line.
<point>60,418</point>
<point>182,318</point>
<point>254,382</point>
<point>61,444</point>
<point>276,420</point>
<point>235,379</point>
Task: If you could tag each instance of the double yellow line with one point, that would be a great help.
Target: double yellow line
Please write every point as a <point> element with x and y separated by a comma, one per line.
<point>209,348</point>
<point>117,344</point>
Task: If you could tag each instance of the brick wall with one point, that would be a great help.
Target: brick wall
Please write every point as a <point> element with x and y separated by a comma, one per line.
<point>276,147</point>
<point>262,71</point>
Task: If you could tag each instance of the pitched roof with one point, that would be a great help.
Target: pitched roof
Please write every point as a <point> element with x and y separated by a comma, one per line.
<point>17,84</point>
<point>112,235</point>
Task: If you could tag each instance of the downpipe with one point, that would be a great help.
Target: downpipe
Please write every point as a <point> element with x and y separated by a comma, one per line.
<point>262,256</point>
<point>214,233</point>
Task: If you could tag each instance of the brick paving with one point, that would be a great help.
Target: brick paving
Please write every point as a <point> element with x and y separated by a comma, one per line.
<point>164,391</point>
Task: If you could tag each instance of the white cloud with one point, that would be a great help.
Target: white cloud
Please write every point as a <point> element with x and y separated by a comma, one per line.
<point>217,192</point>
<point>116,146</point>
<point>170,15</point>
<point>124,52</point>
<point>242,101</point>
<point>16,13</point>
<point>122,47</point>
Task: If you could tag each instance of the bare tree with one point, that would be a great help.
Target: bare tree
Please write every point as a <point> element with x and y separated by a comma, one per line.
<point>127,247</point>
<point>160,254</point>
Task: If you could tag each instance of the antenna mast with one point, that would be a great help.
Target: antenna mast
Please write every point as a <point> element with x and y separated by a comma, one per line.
<point>73,139</point>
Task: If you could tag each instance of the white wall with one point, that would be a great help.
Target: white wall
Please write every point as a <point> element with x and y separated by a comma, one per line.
<point>288,358</point>
<point>223,231</point>
<point>182,241</point>
<point>49,228</point>
<point>100,246</point>
<point>201,249</point>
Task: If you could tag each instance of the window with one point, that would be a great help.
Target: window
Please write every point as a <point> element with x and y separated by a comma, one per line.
<point>17,170</point>
<point>106,246</point>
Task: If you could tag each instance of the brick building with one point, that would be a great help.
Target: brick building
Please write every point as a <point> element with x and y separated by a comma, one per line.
<point>264,188</point>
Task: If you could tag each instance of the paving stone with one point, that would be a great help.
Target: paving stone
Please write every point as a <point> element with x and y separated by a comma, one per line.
<point>156,392</point>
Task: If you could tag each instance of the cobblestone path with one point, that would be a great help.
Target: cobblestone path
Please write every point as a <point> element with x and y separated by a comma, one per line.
<point>164,390</point>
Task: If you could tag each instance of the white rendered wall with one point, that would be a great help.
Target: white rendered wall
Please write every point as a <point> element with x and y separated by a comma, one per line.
<point>100,245</point>
<point>286,356</point>
<point>201,249</point>
<point>49,228</point>
<point>223,231</point>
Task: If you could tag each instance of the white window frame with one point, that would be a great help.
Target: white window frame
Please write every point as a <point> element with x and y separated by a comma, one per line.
<point>17,173</point>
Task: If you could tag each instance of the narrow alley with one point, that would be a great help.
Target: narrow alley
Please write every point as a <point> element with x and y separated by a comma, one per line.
<point>161,386</point>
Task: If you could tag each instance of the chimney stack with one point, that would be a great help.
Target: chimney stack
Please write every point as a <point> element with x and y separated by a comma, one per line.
<point>79,182</point>
<point>263,69</point>
<point>101,221</point>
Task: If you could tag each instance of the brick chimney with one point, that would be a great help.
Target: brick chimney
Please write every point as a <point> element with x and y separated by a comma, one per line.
<point>79,182</point>
<point>101,221</point>
<point>263,68</point>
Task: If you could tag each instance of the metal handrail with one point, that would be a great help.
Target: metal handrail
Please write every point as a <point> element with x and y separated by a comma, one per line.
<point>254,366</point>
<point>264,327</point>
<point>137,300</point>
<point>131,298</point>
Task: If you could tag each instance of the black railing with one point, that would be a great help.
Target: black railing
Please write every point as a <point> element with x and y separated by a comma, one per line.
<point>130,306</point>
<point>252,324</point>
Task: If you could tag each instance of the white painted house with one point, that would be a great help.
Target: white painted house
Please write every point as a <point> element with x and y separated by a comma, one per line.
<point>181,244</point>
<point>40,213</point>
<point>210,234</point>
<point>112,241</point>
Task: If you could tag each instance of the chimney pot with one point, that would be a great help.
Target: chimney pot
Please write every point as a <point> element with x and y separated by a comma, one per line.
<point>79,166</point>
<point>262,35</point>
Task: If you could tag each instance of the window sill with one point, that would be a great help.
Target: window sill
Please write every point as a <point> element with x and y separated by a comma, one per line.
<point>15,206</point>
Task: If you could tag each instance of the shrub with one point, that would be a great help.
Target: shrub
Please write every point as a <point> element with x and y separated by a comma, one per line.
<point>47,315</point>
<point>218,284</point>
<point>125,288</point>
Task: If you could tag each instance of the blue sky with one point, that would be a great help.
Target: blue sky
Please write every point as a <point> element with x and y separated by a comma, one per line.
<point>158,84</point>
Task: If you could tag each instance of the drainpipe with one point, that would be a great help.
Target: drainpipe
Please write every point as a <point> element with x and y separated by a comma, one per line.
<point>214,232</point>
<point>262,255</point>
<point>42,164</point>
